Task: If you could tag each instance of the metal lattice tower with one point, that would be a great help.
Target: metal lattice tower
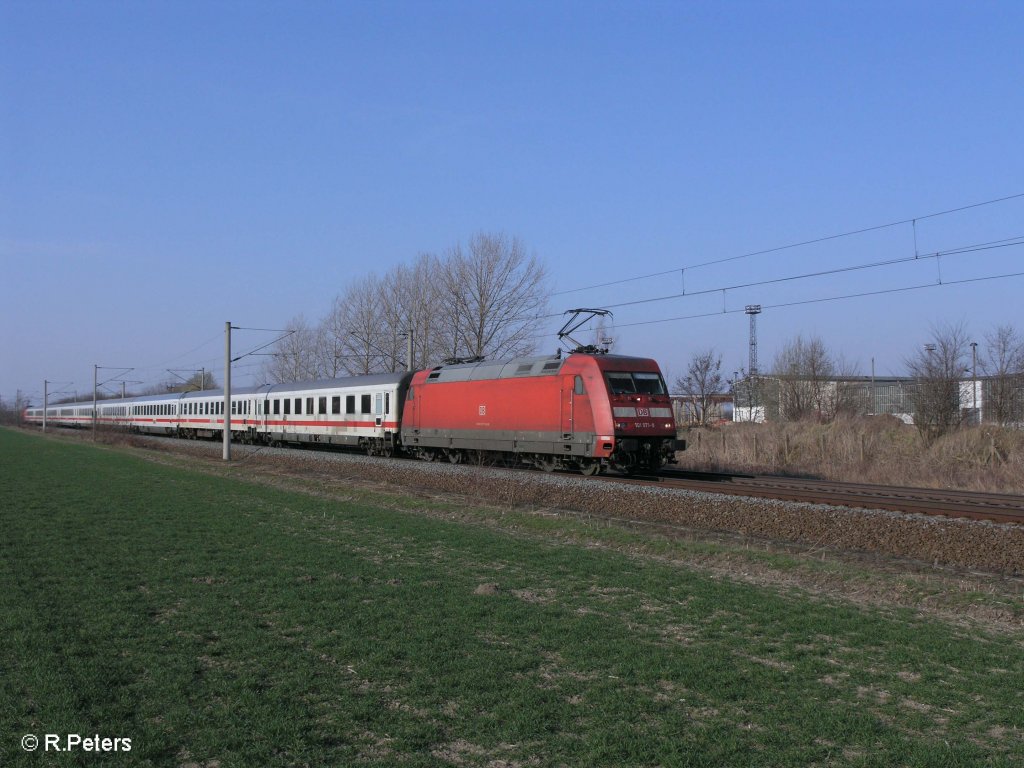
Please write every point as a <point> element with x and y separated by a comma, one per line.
<point>753,310</point>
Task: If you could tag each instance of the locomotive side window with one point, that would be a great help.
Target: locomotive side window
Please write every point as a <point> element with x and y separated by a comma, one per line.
<point>578,387</point>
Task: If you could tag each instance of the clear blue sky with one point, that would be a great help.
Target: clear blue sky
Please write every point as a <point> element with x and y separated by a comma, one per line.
<point>167,166</point>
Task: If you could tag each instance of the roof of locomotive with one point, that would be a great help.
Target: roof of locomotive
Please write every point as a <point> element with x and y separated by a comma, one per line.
<point>548,365</point>
<point>522,367</point>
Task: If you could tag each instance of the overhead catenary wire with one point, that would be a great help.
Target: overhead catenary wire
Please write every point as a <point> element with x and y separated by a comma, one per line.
<point>820,300</point>
<point>864,230</point>
<point>937,255</point>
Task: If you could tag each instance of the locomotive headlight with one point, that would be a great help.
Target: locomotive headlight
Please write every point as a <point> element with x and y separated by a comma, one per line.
<point>620,425</point>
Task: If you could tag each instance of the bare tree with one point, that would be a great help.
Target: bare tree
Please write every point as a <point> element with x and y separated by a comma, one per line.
<point>409,303</point>
<point>294,357</point>
<point>812,382</point>
<point>804,369</point>
<point>492,298</point>
<point>938,369</point>
<point>1003,364</point>
<point>484,301</point>
<point>332,342</point>
<point>200,380</point>
<point>422,314</point>
<point>362,331</point>
<point>702,382</point>
<point>12,412</point>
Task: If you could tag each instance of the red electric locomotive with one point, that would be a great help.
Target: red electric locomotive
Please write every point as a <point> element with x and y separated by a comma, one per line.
<point>582,412</point>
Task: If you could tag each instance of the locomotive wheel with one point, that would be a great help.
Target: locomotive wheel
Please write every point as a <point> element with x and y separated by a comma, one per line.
<point>455,457</point>
<point>548,465</point>
<point>591,469</point>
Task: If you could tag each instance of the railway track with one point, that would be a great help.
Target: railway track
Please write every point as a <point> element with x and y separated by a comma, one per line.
<point>997,507</point>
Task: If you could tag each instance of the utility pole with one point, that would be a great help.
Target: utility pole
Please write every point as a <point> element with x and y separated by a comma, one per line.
<point>46,399</point>
<point>227,391</point>
<point>874,397</point>
<point>974,379</point>
<point>95,371</point>
<point>408,350</point>
<point>753,310</point>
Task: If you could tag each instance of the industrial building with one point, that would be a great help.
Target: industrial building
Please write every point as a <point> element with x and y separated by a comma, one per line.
<point>774,398</point>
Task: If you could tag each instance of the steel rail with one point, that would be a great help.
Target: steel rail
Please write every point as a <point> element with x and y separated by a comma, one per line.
<point>997,507</point>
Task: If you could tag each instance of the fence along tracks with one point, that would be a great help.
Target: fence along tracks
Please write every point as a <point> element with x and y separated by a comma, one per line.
<point>997,507</point>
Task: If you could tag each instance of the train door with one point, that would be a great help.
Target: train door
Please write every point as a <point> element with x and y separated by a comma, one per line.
<point>567,415</point>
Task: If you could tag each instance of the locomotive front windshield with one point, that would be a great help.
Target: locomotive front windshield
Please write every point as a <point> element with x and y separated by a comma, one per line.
<point>635,383</point>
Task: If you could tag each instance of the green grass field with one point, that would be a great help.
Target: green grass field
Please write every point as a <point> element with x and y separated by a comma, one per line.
<point>216,622</point>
